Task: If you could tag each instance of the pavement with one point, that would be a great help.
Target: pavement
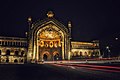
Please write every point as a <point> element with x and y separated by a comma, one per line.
<point>60,71</point>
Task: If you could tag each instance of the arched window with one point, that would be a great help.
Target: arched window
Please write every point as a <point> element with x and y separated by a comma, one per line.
<point>22,53</point>
<point>0,52</point>
<point>18,43</point>
<point>16,53</point>
<point>45,57</point>
<point>2,42</point>
<point>8,52</point>
<point>7,60</point>
<point>21,60</point>
<point>80,53</point>
<point>15,61</point>
<point>85,53</point>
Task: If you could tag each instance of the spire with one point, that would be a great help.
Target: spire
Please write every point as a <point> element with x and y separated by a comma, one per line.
<point>29,19</point>
<point>69,24</point>
<point>50,14</point>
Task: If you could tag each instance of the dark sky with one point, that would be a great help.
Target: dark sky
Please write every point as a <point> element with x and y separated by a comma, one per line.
<point>91,19</point>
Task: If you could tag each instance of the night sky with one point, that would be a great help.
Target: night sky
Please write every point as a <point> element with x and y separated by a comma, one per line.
<point>91,19</point>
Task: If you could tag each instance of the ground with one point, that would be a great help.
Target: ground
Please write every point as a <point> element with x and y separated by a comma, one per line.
<point>58,72</point>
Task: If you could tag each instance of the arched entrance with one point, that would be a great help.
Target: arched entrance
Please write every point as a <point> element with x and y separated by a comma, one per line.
<point>56,56</point>
<point>48,35</point>
<point>45,57</point>
<point>50,40</point>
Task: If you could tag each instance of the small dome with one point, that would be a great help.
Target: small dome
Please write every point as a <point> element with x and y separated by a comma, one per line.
<point>50,14</point>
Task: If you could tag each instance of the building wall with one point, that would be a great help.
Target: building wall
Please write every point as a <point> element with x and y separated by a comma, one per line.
<point>13,50</point>
<point>82,50</point>
<point>18,50</point>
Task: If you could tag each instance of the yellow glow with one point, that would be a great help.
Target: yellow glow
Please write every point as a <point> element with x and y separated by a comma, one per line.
<point>42,43</point>
<point>51,44</point>
<point>29,19</point>
<point>50,14</point>
<point>49,35</point>
<point>69,53</point>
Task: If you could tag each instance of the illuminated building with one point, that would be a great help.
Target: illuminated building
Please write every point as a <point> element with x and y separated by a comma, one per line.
<point>47,40</point>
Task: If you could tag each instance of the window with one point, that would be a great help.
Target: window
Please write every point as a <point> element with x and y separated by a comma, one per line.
<point>16,53</point>
<point>0,52</point>
<point>2,42</point>
<point>22,53</point>
<point>22,60</point>
<point>7,60</point>
<point>8,52</point>
<point>5,43</point>
<point>15,61</point>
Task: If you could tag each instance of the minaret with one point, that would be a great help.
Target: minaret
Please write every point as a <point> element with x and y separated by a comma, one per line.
<point>69,26</point>
<point>29,21</point>
<point>29,25</point>
<point>29,53</point>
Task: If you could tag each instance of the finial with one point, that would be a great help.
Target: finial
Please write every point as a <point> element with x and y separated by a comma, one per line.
<point>50,14</point>
<point>26,33</point>
<point>69,24</point>
<point>29,19</point>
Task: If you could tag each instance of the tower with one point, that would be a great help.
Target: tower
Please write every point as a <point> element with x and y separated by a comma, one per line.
<point>69,26</point>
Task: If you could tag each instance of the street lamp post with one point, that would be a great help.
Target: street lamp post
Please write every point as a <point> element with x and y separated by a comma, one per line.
<point>108,50</point>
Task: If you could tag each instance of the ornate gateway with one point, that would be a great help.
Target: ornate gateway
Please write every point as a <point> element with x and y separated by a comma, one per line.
<point>50,40</point>
<point>47,40</point>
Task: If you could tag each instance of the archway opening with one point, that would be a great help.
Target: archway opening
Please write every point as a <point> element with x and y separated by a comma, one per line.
<point>45,57</point>
<point>22,60</point>
<point>8,52</point>
<point>16,53</point>
<point>7,60</point>
<point>56,56</point>
<point>0,52</point>
<point>22,53</point>
<point>15,61</point>
<point>50,38</point>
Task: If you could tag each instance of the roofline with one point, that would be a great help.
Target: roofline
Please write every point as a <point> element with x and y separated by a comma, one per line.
<point>4,37</point>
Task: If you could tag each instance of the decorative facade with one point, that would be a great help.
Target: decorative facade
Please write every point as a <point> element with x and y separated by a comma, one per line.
<point>47,40</point>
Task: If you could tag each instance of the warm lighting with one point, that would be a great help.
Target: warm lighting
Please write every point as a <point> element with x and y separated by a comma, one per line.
<point>51,44</point>
<point>69,55</point>
<point>41,43</point>
<point>29,19</point>
<point>50,14</point>
<point>55,44</point>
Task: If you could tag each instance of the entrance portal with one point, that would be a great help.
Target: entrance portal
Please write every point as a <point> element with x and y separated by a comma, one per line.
<point>56,56</point>
<point>45,57</point>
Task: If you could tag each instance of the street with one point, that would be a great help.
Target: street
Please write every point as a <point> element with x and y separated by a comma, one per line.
<point>59,72</point>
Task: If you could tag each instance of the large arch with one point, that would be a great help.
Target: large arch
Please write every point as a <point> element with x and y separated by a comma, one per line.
<point>46,56</point>
<point>35,41</point>
<point>49,30</point>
